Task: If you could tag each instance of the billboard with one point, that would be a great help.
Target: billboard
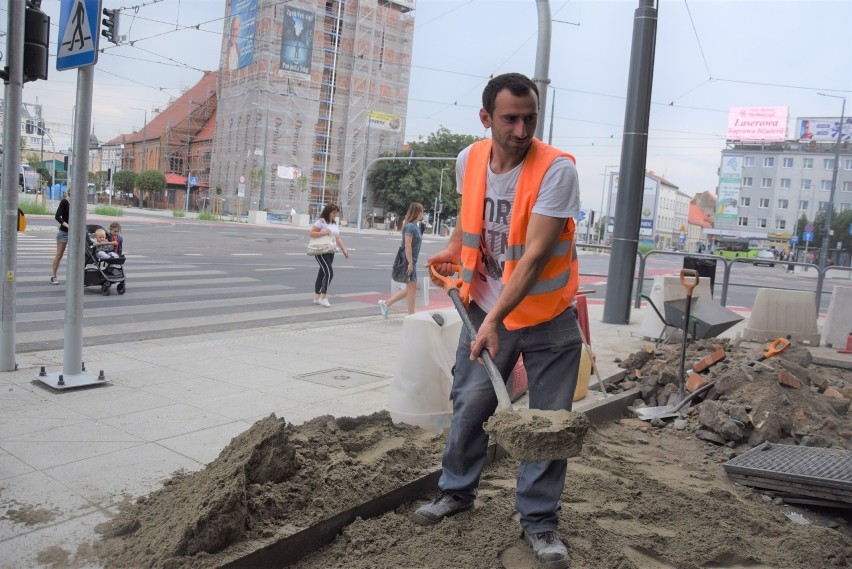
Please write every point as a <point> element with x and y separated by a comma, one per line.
<point>649,206</point>
<point>297,44</point>
<point>384,121</point>
<point>241,19</point>
<point>823,129</point>
<point>768,124</point>
<point>730,184</point>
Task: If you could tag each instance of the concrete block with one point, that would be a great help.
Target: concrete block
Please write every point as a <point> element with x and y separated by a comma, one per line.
<point>664,289</point>
<point>838,323</point>
<point>257,217</point>
<point>783,314</point>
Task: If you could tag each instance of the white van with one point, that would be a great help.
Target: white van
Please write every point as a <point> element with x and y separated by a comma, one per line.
<point>27,179</point>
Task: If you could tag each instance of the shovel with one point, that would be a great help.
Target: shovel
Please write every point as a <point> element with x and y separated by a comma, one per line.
<point>528,434</point>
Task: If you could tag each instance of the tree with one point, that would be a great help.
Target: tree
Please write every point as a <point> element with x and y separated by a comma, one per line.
<point>151,181</point>
<point>842,226</point>
<point>124,181</point>
<point>395,185</point>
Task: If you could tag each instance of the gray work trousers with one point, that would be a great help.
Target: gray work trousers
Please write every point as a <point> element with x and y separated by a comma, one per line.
<point>551,353</point>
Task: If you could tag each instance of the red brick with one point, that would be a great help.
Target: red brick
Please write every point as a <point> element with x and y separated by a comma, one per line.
<point>789,380</point>
<point>695,381</point>
<point>831,392</point>
<point>708,361</point>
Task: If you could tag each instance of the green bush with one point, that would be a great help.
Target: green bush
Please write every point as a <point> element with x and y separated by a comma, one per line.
<point>32,208</point>
<point>109,210</point>
<point>178,213</point>
<point>207,216</point>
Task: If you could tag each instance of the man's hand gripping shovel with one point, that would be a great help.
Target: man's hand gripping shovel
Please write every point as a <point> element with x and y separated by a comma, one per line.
<point>528,434</point>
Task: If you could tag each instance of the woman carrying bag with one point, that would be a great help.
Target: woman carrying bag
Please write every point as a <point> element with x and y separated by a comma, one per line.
<point>326,225</point>
<point>411,239</point>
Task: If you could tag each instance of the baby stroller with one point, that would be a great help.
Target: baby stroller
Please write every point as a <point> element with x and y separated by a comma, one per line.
<point>102,272</point>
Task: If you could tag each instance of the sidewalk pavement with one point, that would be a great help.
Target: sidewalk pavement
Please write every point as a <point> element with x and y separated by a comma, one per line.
<point>68,459</point>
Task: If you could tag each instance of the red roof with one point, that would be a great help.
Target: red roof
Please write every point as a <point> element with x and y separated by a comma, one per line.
<point>697,217</point>
<point>174,113</point>
<point>207,131</point>
<point>173,179</point>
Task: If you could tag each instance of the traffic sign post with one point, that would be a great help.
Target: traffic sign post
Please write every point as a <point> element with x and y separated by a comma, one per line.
<point>78,34</point>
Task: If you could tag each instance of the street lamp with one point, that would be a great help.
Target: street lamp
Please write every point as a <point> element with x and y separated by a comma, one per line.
<point>144,145</point>
<point>829,213</point>
<point>604,192</point>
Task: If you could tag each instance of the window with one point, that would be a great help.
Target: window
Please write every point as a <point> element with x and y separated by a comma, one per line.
<point>807,163</point>
<point>780,224</point>
<point>783,204</point>
<point>761,222</point>
<point>745,202</point>
<point>825,185</point>
<point>823,206</point>
<point>803,205</point>
<point>764,203</point>
<point>788,163</point>
<point>742,221</point>
<point>828,163</point>
<point>806,184</point>
<point>847,165</point>
<point>786,183</point>
<point>748,161</point>
<point>766,183</point>
<point>769,162</point>
<point>847,187</point>
<point>748,181</point>
<point>845,207</point>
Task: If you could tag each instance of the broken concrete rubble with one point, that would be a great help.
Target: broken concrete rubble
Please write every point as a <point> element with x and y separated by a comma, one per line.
<point>784,399</point>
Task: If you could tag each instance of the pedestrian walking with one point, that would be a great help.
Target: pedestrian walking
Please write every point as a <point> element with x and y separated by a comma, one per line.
<point>62,216</point>
<point>411,239</point>
<point>519,277</point>
<point>326,224</point>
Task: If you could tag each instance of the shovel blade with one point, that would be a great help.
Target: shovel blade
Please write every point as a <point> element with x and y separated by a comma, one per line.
<point>648,413</point>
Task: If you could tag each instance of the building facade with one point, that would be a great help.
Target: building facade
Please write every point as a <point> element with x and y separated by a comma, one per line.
<point>310,92</point>
<point>765,188</point>
<point>664,219</point>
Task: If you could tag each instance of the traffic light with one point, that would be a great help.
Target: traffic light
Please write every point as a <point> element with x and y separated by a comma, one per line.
<point>36,42</point>
<point>110,31</point>
<point>109,175</point>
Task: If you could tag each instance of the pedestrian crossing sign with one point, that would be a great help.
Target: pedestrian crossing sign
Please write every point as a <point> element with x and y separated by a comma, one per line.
<point>79,30</point>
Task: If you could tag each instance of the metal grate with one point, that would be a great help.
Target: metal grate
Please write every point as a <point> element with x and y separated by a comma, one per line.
<point>793,470</point>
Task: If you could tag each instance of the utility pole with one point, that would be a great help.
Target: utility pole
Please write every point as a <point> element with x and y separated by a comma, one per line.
<point>11,160</point>
<point>634,151</point>
<point>144,145</point>
<point>829,212</point>
<point>542,62</point>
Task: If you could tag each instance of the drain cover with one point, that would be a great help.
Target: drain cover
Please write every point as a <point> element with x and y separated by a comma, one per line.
<point>821,474</point>
<point>342,377</point>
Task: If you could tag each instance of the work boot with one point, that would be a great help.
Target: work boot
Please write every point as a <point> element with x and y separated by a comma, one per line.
<point>549,549</point>
<point>444,505</point>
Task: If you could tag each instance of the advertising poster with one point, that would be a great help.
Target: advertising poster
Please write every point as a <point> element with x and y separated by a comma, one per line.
<point>297,43</point>
<point>730,184</point>
<point>384,121</point>
<point>767,124</point>
<point>241,20</point>
<point>824,129</point>
<point>649,206</point>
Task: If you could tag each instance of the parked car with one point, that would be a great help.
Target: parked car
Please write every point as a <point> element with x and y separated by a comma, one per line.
<point>765,257</point>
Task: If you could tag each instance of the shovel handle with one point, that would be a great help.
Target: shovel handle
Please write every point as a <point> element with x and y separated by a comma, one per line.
<point>451,286</point>
<point>685,275</point>
<point>775,348</point>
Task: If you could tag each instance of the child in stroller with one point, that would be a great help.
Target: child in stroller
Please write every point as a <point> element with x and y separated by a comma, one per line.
<point>104,266</point>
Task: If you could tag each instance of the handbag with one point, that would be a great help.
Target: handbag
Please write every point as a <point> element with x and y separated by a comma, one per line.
<point>321,245</point>
<point>399,273</point>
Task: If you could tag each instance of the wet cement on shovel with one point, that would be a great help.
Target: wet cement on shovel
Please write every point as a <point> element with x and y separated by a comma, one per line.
<point>534,434</point>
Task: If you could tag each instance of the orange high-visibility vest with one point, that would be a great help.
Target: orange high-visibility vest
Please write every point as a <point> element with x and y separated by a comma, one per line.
<point>559,281</point>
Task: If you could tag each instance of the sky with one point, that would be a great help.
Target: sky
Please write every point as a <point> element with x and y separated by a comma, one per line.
<point>710,55</point>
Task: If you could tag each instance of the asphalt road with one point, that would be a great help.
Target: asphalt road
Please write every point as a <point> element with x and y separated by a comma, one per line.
<point>186,277</point>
